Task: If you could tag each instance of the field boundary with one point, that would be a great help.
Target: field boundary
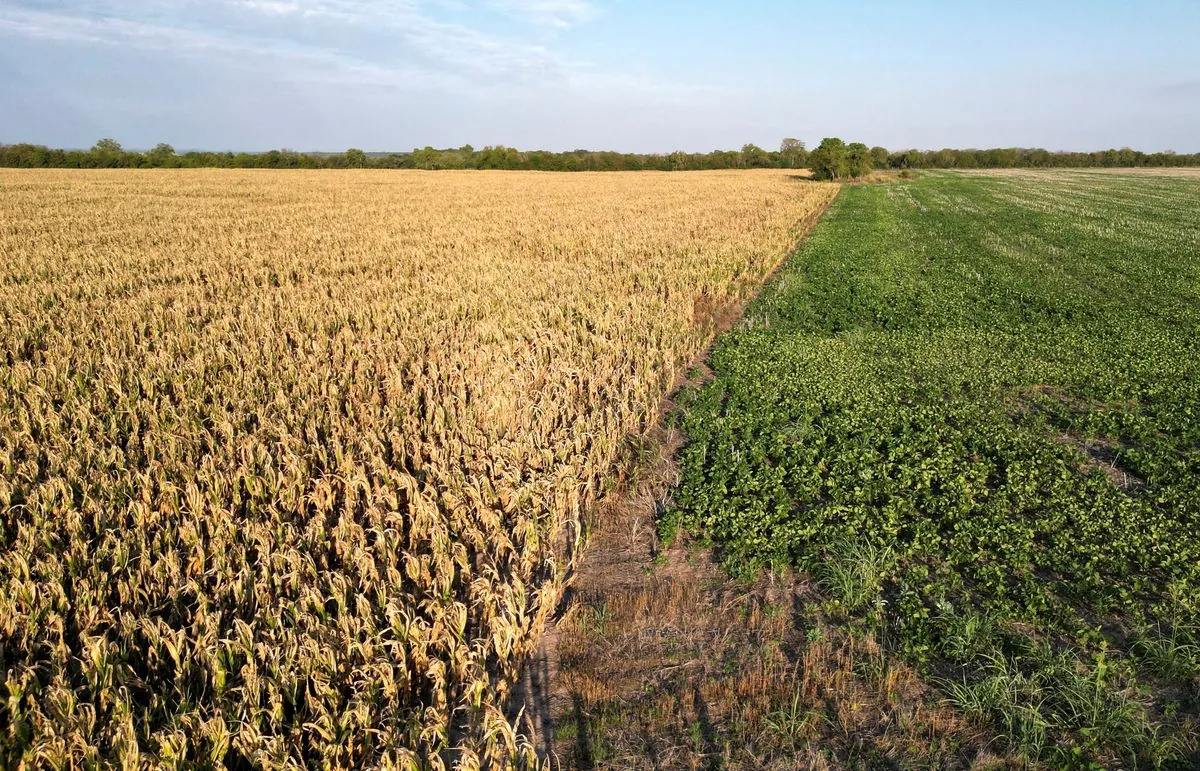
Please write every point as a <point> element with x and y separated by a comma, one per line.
<point>604,563</point>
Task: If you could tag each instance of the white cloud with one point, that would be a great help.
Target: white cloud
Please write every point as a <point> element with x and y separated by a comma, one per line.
<point>357,39</point>
<point>104,30</point>
<point>343,10</point>
<point>548,13</point>
<point>308,72</point>
<point>276,8</point>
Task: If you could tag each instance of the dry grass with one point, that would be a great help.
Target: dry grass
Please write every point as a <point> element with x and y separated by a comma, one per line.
<point>662,661</point>
<point>289,459</point>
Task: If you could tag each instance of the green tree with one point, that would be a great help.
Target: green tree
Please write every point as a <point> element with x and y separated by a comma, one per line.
<point>162,155</point>
<point>828,161</point>
<point>792,153</point>
<point>966,159</point>
<point>498,157</point>
<point>106,153</point>
<point>355,158</point>
<point>754,157</point>
<point>858,160</point>
<point>913,159</point>
<point>879,157</point>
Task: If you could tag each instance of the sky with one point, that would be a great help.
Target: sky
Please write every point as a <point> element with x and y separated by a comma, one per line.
<point>628,75</point>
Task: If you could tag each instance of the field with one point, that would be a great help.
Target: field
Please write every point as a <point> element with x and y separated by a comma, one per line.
<point>967,416</point>
<point>293,464</point>
<point>297,467</point>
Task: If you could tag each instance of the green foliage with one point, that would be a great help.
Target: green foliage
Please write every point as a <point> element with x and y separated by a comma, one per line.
<point>754,157</point>
<point>1031,158</point>
<point>1170,653</point>
<point>828,161</point>
<point>791,155</point>
<point>858,160</point>
<point>852,572</point>
<point>162,156</point>
<point>108,153</point>
<point>834,159</point>
<point>970,407</point>
<point>792,721</point>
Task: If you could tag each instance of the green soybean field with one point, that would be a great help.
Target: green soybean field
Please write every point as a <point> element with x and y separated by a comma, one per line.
<point>969,409</point>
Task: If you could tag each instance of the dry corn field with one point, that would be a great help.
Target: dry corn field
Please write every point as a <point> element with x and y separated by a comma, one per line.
<point>288,460</point>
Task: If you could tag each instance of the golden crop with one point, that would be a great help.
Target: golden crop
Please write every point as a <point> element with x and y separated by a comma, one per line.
<point>288,458</point>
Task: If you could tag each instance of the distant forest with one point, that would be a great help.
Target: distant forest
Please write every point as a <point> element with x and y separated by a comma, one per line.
<point>792,154</point>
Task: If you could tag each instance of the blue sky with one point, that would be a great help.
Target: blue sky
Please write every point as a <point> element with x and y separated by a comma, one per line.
<point>601,74</point>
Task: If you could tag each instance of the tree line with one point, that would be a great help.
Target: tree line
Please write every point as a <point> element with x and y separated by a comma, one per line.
<point>832,159</point>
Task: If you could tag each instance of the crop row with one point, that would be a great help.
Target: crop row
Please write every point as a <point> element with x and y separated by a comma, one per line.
<point>969,407</point>
<point>290,463</point>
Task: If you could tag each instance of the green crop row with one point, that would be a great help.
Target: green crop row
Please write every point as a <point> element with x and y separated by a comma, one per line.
<point>969,407</point>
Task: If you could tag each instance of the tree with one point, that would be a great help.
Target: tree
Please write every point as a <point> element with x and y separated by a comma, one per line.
<point>828,161</point>
<point>754,157</point>
<point>792,154</point>
<point>942,159</point>
<point>501,157</point>
<point>966,159</point>
<point>832,160</point>
<point>162,155</point>
<point>106,154</point>
<point>911,159</point>
<point>858,160</point>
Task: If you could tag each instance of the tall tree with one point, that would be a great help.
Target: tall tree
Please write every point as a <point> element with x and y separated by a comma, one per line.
<point>162,155</point>
<point>792,153</point>
<point>828,161</point>
<point>107,153</point>
<point>754,157</point>
<point>858,160</point>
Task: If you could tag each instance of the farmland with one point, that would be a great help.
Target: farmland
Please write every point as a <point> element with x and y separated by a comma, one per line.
<point>295,468</point>
<point>969,411</point>
<point>292,464</point>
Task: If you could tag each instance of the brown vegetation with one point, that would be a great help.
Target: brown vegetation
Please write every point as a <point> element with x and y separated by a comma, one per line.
<point>289,459</point>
